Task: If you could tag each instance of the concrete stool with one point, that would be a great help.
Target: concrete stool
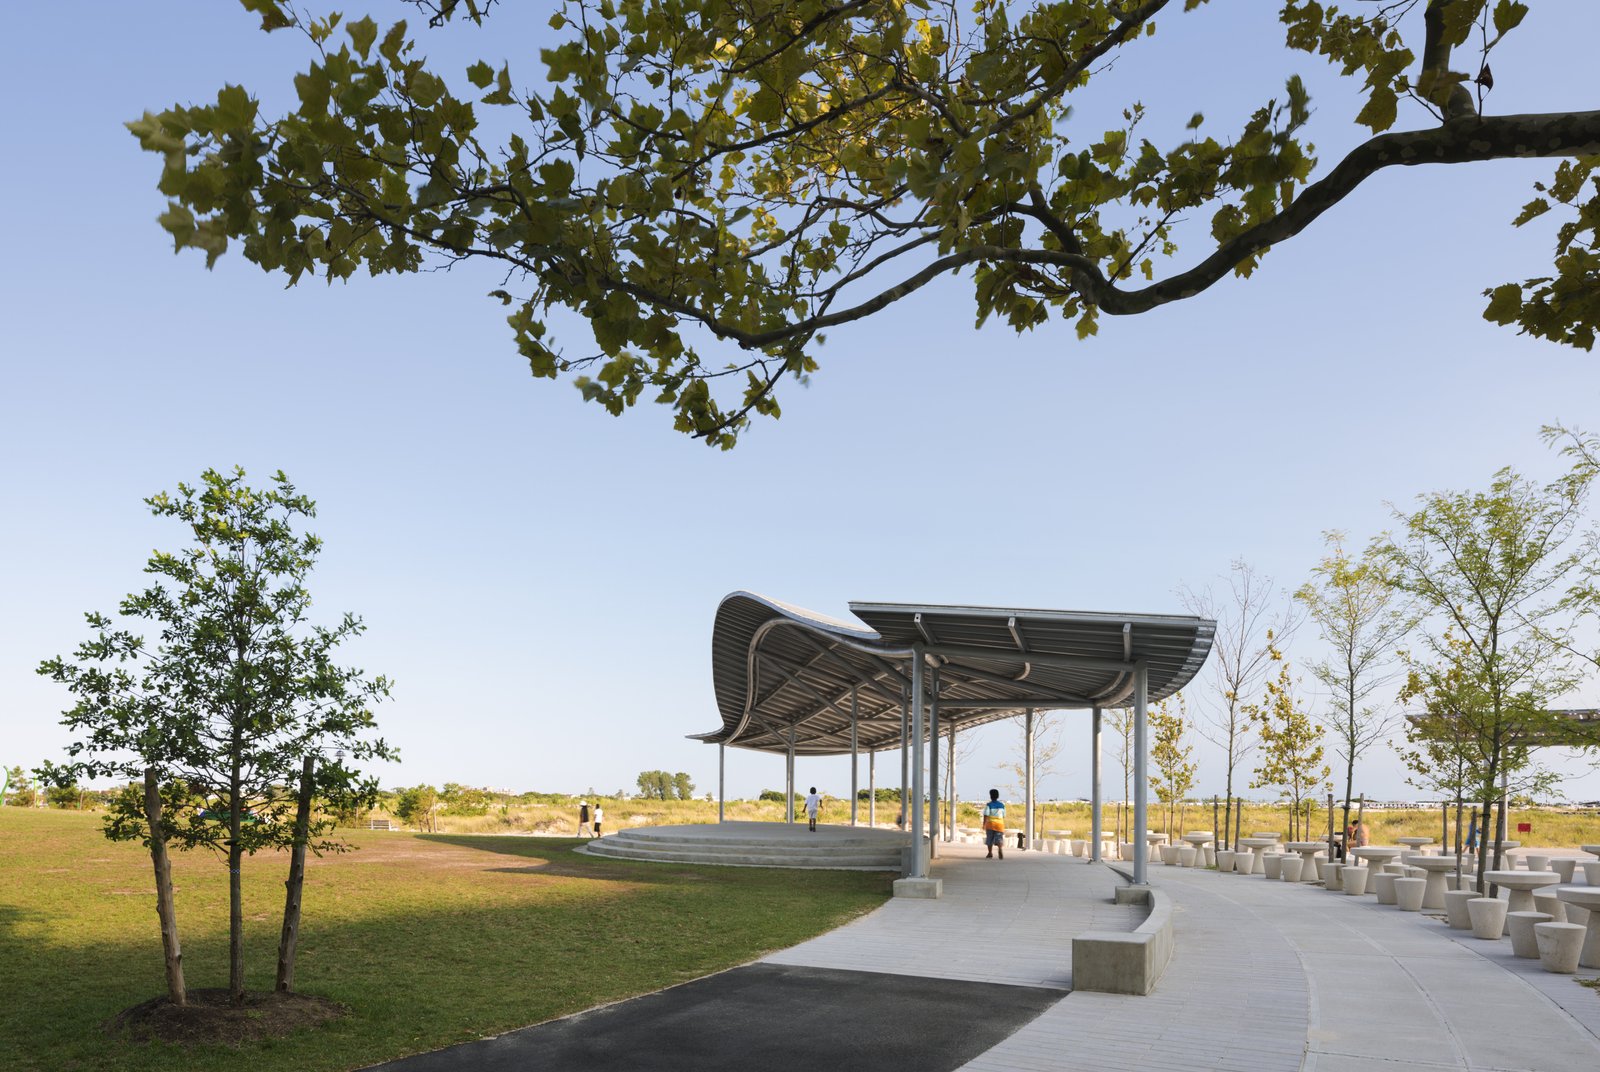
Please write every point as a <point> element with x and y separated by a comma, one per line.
<point>1396,868</point>
<point>1224,860</point>
<point>1591,871</point>
<point>1455,908</point>
<point>1383,886</point>
<point>1125,850</point>
<point>1079,846</point>
<point>1576,914</point>
<point>1550,904</point>
<point>1523,943</point>
<point>1488,917</point>
<point>1330,877</point>
<point>1408,894</point>
<point>1537,863</point>
<point>1273,862</point>
<point>1169,855</point>
<point>1322,869</point>
<point>1186,855</point>
<point>1559,944</point>
<point>1211,856</point>
<point>1563,866</point>
<point>1353,879</point>
<point>1289,869</point>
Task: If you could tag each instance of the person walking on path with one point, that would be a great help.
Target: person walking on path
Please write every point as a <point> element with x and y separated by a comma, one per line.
<point>599,817</point>
<point>813,803</point>
<point>994,825</point>
<point>583,816</point>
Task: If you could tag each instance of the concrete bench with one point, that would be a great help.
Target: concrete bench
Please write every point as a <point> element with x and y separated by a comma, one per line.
<point>1112,962</point>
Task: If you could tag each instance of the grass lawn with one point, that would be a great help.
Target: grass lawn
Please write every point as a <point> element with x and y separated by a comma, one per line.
<point>428,940</point>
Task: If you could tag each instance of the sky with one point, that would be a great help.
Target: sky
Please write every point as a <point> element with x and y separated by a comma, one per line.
<point>540,578</point>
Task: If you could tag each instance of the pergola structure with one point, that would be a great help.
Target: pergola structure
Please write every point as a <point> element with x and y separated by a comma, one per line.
<point>792,682</point>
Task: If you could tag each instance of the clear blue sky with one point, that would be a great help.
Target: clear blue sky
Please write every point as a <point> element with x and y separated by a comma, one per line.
<point>540,578</point>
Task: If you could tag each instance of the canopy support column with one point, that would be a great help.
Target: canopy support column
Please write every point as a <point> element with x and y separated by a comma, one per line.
<point>722,780</point>
<point>933,761</point>
<point>1027,777</point>
<point>905,754</point>
<point>872,789</point>
<point>788,779</point>
<point>919,860</point>
<point>1094,791</point>
<point>950,783</point>
<point>1141,776</point>
<point>855,713</point>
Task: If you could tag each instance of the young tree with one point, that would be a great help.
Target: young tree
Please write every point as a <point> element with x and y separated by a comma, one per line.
<point>1241,652</point>
<point>1119,721</point>
<point>755,174</point>
<point>1492,568</point>
<point>1174,772</point>
<point>1291,744</point>
<point>1047,746</point>
<point>418,806</point>
<point>234,690</point>
<point>1361,618</point>
<point>682,786</point>
<point>1451,741</point>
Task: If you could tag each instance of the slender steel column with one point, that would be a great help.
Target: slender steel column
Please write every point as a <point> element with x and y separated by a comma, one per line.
<point>950,831</point>
<point>933,762</point>
<point>1094,792</point>
<point>905,754</point>
<point>722,778</point>
<point>919,859</point>
<point>872,788</point>
<point>1141,774</point>
<point>788,779</point>
<point>855,711</point>
<point>1027,777</point>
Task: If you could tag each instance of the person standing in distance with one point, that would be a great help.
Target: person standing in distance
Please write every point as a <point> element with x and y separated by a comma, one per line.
<point>599,817</point>
<point>994,825</point>
<point>583,816</point>
<point>813,803</point>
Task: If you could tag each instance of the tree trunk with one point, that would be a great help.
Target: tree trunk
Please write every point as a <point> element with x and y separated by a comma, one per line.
<point>297,880</point>
<point>235,892</point>
<point>177,993</point>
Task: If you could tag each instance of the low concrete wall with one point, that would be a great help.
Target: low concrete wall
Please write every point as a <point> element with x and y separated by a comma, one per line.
<point>1126,963</point>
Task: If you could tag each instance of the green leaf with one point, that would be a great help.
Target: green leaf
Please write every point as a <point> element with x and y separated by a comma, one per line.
<point>362,34</point>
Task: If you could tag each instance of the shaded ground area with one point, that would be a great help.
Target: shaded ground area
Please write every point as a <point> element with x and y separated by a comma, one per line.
<point>765,1016</point>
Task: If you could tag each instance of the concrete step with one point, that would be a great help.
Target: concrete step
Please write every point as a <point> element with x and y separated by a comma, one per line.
<point>654,837</point>
<point>632,849</point>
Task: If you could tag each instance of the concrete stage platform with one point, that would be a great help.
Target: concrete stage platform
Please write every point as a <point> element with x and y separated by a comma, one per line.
<point>838,848</point>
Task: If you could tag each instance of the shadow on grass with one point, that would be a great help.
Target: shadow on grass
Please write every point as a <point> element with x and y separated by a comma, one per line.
<point>421,962</point>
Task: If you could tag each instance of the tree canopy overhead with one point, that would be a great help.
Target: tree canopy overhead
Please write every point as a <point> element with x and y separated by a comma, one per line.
<point>714,184</point>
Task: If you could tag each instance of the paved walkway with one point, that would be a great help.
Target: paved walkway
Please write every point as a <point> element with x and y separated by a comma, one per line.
<point>1273,975</point>
<point>1266,976</point>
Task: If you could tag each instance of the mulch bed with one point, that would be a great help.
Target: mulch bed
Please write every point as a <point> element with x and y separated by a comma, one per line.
<point>210,1017</point>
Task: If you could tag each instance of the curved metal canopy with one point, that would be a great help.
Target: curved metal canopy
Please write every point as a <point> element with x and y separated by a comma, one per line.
<point>777,667</point>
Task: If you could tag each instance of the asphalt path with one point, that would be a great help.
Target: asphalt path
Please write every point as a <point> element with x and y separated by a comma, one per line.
<point>764,1017</point>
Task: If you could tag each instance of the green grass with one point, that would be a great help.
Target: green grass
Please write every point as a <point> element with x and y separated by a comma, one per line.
<point>428,940</point>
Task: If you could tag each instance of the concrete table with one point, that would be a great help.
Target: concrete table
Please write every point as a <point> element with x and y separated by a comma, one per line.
<point>1153,840</point>
<point>1308,853</point>
<point>1375,856</point>
<point>1436,867</point>
<point>1259,846</point>
<point>1200,839</point>
<point>1591,848</point>
<point>1521,884</point>
<point>1587,897</point>
<point>1417,844</point>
